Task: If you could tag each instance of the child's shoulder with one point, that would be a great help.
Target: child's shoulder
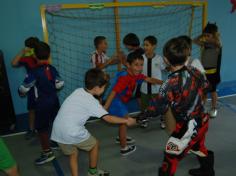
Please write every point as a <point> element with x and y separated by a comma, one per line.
<point>121,73</point>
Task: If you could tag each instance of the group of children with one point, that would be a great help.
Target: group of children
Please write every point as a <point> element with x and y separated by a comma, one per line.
<point>179,99</point>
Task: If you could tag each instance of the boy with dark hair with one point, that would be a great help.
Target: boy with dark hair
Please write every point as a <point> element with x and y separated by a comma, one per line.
<point>211,46</point>
<point>131,41</point>
<point>99,58</point>
<point>45,78</point>
<point>182,93</point>
<point>69,130</point>
<point>132,44</point>
<point>196,63</point>
<point>152,67</point>
<point>123,87</point>
<point>27,59</point>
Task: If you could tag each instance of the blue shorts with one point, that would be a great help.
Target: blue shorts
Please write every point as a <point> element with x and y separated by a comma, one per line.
<point>31,99</point>
<point>45,113</point>
<point>118,108</point>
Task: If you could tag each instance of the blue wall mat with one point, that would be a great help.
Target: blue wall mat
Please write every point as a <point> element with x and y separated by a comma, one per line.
<point>20,19</point>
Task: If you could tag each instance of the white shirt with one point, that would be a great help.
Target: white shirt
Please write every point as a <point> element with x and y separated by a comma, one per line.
<point>98,58</point>
<point>157,66</point>
<point>196,63</point>
<point>68,127</point>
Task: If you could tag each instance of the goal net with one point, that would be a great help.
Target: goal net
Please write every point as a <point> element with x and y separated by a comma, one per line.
<point>71,28</point>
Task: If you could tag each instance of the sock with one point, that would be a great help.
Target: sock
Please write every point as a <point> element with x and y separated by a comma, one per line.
<point>92,170</point>
<point>125,148</point>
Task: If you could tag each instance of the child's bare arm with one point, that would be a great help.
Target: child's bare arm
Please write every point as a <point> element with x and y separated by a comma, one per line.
<point>153,80</point>
<point>116,120</point>
<point>109,99</point>
<point>16,59</point>
<point>199,40</point>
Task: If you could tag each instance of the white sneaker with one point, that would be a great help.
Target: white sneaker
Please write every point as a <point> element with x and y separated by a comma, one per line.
<point>163,125</point>
<point>213,112</point>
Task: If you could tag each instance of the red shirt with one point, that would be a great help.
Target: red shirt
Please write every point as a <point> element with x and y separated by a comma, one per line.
<point>126,84</point>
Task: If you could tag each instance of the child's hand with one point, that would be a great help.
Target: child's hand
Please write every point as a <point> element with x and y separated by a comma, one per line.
<point>131,121</point>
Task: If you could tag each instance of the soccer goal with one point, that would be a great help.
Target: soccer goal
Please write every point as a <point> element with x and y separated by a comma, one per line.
<point>71,28</point>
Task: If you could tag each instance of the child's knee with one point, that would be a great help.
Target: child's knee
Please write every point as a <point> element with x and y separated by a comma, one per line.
<point>13,171</point>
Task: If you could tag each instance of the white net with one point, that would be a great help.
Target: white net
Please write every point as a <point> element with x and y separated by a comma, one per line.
<point>72,31</point>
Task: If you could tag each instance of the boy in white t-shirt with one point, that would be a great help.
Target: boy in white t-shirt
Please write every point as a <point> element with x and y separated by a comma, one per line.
<point>68,128</point>
<point>152,67</point>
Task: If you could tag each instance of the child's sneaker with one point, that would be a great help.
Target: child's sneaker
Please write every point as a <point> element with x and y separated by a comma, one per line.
<point>162,124</point>
<point>45,158</point>
<point>54,145</point>
<point>213,112</point>
<point>99,173</point>
<point>30,134</point>
<point>128,150</point>
<point>129,140</point>
<point>143,125</point>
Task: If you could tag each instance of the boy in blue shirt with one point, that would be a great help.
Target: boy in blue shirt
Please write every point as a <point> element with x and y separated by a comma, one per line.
<point>45,79</point>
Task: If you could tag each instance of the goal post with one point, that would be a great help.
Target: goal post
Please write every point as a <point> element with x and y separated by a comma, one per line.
<point>70,29</point>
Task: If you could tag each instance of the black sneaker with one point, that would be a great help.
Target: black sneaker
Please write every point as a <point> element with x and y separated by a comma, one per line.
<point>30,134</point>
<point>129,150</point>
<point>143,118</point>
<point>45,158</point>
<point>129,140</point>
<point>54,145</point>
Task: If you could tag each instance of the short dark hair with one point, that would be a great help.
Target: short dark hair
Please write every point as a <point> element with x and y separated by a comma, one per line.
<point>131,39</point>
<point>95,77</point>
<point>186,39</point>
<point>176,51</point>
<point>98,40</point>
<point>42,51</point>
<point>135,55</point>
<point>31,42</point>
<point>151,39</point>
<point>210,28</point>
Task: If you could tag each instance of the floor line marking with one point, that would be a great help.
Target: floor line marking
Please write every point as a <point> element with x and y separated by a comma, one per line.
<point>57,167</point>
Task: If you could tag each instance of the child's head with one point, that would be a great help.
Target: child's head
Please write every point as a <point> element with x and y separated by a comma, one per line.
<point>135,62</point>
<point>210,28</point>
<point>100,43</point>
<point>131,41</point>
<point>42,51</point>
<point>31,42</point>
<point>187,39</point>
<point>176,52</point>
<point>150,43</point>
<point>96,80</point>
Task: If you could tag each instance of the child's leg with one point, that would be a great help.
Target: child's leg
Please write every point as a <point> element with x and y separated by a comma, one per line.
<point>7,162</point>
<point>42,124</point>
<point>93,156</point>
<point>123,135</point>
<point>169,165</point>
<point>31,119</point>
<point>44,140</point>
<point>74,163</point>
<point>214,97</point>
<point>170,121</point>
<point>13,171</point>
